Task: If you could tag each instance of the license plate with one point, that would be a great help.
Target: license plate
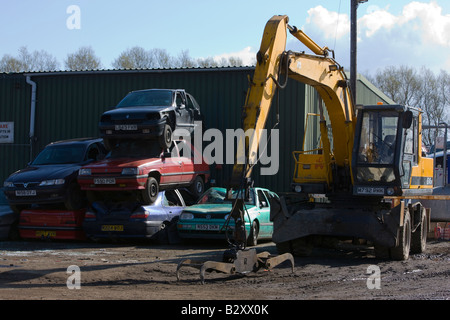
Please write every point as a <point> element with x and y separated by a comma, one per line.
<point>104,181</point>
<point>25,193</point>
<point>370,190</point>
<point>112,227</point>
<point>125,127</point>
<point>45,234</point>
<point>207,227</point>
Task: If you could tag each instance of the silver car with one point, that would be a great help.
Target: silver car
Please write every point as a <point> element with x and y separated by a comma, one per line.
<point>107,219</point>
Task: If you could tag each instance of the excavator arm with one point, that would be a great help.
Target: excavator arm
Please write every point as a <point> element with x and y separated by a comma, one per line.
<point>321,72</point>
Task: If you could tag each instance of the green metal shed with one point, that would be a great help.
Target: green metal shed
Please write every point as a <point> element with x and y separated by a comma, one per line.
<point>51,106</point>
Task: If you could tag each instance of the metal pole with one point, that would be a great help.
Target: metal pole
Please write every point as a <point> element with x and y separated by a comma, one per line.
<point>353,45</point>
<point>353,39</point>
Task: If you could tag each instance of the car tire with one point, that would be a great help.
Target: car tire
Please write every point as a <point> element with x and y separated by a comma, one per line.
<point>165,140</point>
<point>150,193</point>
<point>252,239</point>
<point>197,187</point>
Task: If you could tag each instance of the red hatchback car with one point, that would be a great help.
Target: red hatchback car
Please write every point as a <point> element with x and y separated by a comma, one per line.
<point>140,169</point>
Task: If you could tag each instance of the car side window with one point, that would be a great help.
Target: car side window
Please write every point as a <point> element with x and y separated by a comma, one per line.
<point>171,199</point>
<point>190,104</point>
<point>263,202</point>
<point>179,100</point>
<point>93,152</point>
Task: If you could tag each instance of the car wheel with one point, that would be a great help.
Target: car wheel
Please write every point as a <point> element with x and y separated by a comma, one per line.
<point>253,237</point>
<point>150,193</point>
<point>198,186</point>
<point>165,140</point>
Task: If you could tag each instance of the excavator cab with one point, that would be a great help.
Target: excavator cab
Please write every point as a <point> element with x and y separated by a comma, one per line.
<point>387,159</point>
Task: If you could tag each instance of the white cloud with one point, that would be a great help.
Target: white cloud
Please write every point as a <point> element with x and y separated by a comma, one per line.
<point>375,20</point>
<point>428,20</point>
<point>332,24</point>
<point>419,35</point>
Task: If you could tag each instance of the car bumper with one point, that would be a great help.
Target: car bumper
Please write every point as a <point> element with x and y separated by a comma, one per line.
<point>120,183</point>
<point>148,129</point>
<point>129,229</point>
<point>61,233</point>
<point>48,195</point>
<point>199,230</point>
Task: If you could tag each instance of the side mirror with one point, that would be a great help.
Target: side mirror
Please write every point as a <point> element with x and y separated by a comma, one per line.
<point>407,119</point>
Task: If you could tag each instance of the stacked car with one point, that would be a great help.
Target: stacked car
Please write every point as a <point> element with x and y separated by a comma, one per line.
<point>133,182</point>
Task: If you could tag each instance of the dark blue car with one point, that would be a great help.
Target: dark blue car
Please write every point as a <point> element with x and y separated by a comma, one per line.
<point>51,178</point>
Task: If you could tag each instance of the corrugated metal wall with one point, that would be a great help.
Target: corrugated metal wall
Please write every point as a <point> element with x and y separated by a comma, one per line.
<point>14,107</point>
<point>69,105</point>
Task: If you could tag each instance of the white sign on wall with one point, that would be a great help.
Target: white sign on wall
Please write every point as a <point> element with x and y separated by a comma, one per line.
<point>6,132</point>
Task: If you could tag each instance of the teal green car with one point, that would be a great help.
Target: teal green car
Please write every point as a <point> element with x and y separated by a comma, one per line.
<point>209,217</point>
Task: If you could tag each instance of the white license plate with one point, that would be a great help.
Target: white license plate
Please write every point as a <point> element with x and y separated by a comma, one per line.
<point>207,227</point>
<point>25,193</point>
<point>125,127</point>
<point>370,190</point>
<point>104,181</point>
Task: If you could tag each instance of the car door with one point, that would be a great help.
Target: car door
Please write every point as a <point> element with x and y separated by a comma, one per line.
<point>172,204</point>
<point>171,167</point>
<point>184,117</point>
<point>186,158</point>
<point>265,225</point>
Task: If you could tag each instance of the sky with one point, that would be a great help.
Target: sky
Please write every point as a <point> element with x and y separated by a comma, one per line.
<point>390,33</point>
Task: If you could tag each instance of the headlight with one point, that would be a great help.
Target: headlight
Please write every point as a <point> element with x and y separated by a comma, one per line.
<point>52,182</point>
<point>186,216</point>
<point>130,171</point>
<point>8,184</point>
<point>84,172</point>
<point>390,191</point>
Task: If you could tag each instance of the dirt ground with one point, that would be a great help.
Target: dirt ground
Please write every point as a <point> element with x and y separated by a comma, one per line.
<point>36,270</point>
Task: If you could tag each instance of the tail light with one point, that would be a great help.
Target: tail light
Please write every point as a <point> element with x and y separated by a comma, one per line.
<point>139,215</point>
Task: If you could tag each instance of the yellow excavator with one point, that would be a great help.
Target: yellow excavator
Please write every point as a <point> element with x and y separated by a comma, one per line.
<point>359,182</point>
<point>362,182</point>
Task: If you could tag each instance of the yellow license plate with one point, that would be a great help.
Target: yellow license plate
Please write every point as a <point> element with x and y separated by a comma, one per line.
<point>45,234</point>
<point>112,227</point>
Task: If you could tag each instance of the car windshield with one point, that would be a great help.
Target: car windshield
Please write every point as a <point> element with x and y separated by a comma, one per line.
<point>147,98</point>
<point>218,196</point>
<point>135,149</point>
<point>60,155</point>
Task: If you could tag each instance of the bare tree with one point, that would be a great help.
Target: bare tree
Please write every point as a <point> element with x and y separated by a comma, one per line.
<point>422,89</point>
<point>134,58</point>
<point>184,60</point>
<point>37,60</point>
<point>29,61</point>
<point>10,64</point>
<point>162,59</point>
<point>83,59</point>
